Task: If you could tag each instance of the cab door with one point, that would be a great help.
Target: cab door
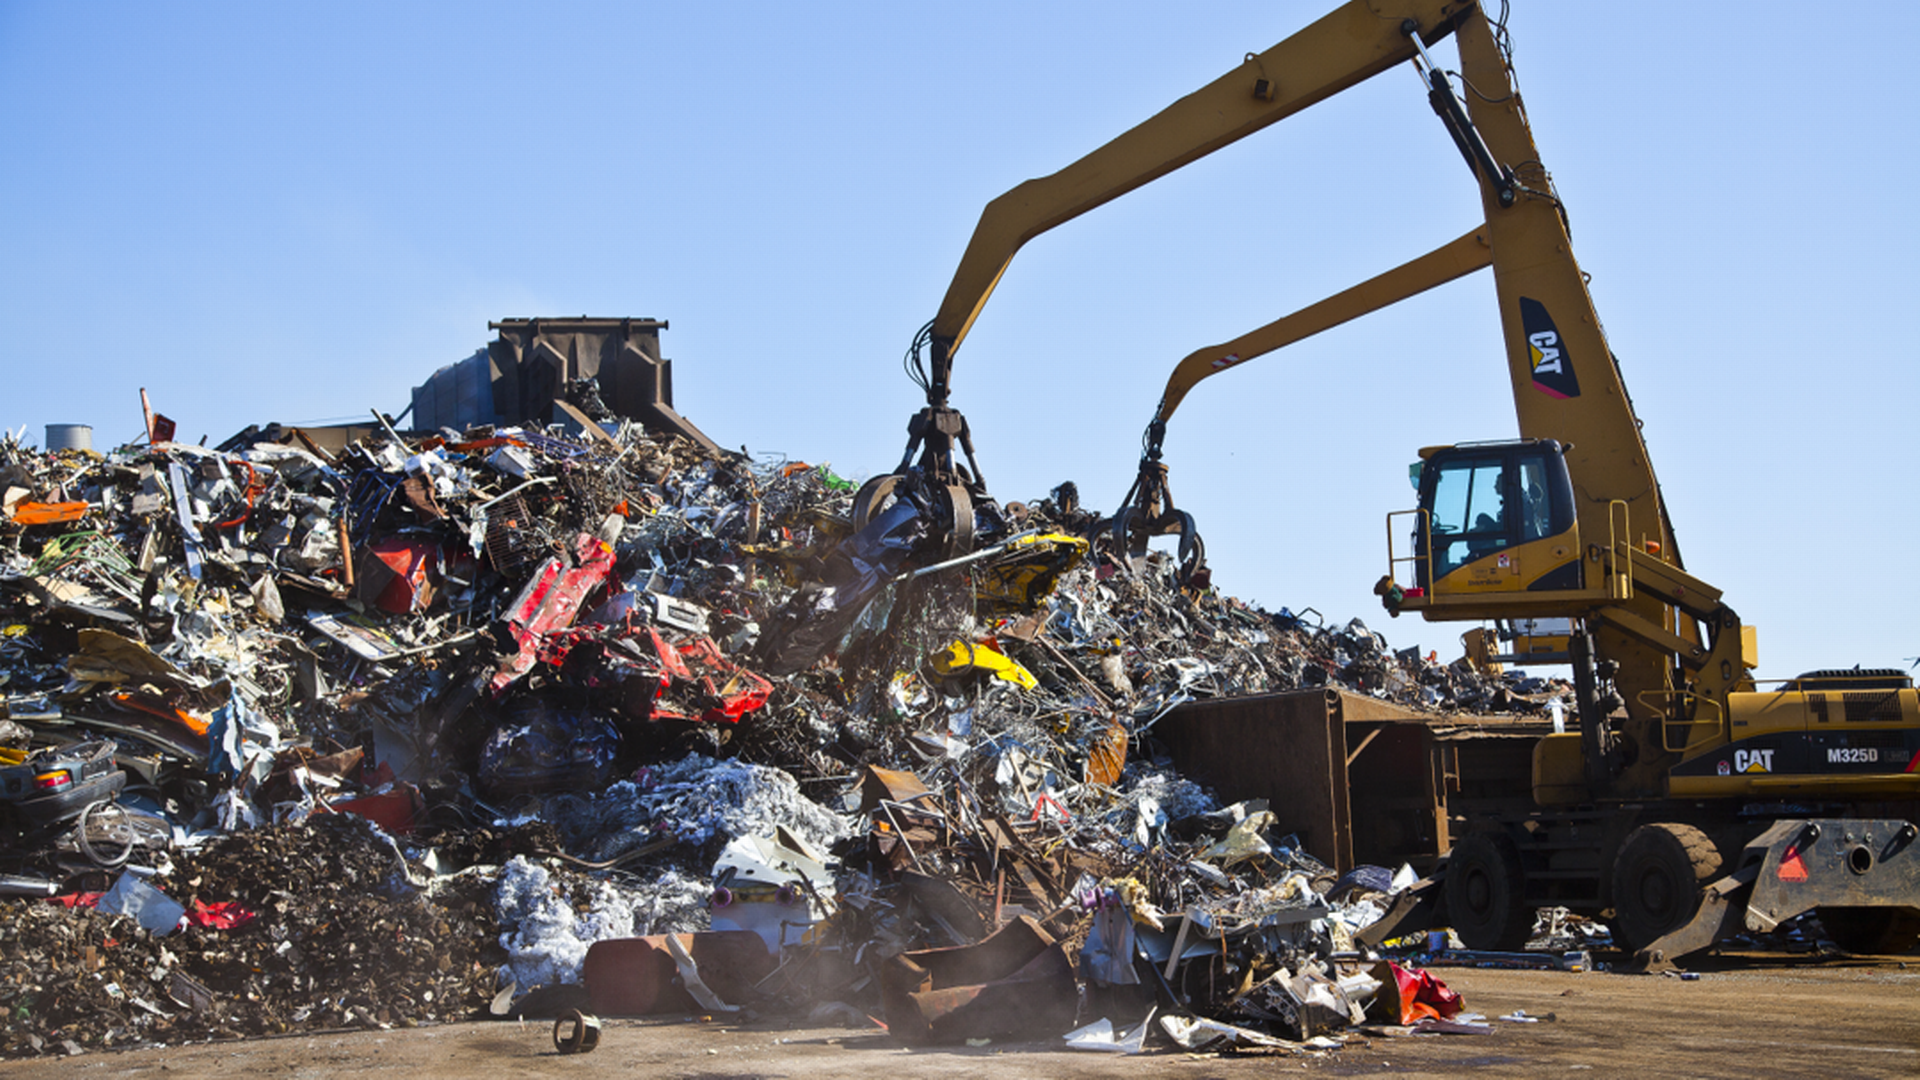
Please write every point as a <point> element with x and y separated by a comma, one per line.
<point>1500,518</point>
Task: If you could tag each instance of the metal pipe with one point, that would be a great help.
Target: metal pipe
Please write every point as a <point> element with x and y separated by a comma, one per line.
<point>983,553</point>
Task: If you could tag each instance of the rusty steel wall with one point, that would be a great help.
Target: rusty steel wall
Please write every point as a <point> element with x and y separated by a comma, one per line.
<point>1358,779</point>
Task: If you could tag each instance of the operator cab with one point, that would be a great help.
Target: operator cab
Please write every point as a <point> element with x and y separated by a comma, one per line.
<point>1498,517</point>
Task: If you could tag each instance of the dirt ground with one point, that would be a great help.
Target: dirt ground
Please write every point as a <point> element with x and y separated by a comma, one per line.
<point>1743,1017</point>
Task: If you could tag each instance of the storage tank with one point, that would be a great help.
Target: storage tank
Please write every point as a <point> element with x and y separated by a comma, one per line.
<point>69,437</point>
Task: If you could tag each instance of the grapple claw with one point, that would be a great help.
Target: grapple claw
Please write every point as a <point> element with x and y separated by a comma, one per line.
<point>1147,512</point>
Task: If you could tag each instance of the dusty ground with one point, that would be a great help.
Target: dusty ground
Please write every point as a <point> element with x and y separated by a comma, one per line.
<point>1777,1017</point>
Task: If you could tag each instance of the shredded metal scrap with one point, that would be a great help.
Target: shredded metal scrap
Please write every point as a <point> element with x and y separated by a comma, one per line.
<point>641,651</point>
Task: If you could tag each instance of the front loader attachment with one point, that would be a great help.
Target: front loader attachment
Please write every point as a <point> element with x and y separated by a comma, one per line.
<point>1794,867</point>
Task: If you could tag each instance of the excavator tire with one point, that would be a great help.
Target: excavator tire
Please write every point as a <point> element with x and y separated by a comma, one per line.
<point>1484,893</point>
<point>1656,881</point>
<point>1872,931</point>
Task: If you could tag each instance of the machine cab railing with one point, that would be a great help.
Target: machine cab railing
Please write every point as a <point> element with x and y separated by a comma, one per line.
<point>1415,561</point>
<point>1619,533</point>
<point>1688,722</point>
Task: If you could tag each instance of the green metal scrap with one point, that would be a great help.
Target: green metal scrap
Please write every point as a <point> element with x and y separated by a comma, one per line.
<point>93,553</point>
<point>831,482</point>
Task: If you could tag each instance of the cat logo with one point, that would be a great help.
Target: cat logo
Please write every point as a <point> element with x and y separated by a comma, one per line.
<point>1753,761</point>
<point>1551,363</point>
<point>1226,361</point>
<point>1546,351</point>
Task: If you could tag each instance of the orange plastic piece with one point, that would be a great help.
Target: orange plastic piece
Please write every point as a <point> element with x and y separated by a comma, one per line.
<point>195,724</point>
<point>38,513</point>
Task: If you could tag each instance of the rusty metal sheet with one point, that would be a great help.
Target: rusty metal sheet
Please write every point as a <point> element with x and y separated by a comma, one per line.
<point>638,976</point>
<point>1107,755</point>
<point>879,785</point>
<point>948,906</point>
<point>1017,984</point>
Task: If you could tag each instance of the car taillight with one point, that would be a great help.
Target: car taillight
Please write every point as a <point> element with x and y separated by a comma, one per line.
<point>53,781</point>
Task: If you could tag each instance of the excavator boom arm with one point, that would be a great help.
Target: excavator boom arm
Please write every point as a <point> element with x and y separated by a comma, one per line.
<point>1353,43</point>
<point>1566,385</point>
<point>1450,261</point>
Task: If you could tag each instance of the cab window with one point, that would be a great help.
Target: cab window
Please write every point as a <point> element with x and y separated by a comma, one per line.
<point>1469,513</point>
<point>1536,509</point>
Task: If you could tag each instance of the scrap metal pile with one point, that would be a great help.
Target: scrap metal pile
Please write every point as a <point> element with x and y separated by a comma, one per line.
<point>366,737</point>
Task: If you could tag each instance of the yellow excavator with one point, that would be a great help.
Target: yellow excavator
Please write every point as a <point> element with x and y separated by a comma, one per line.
<point>1692,803</point>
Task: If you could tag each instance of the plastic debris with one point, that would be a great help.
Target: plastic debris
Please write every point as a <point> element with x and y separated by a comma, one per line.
<point>1101,1036</point>
<point>154,910</point>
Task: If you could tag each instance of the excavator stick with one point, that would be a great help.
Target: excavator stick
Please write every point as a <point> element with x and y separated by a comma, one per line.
<point>1148,511</point>
<point>1794,867</point>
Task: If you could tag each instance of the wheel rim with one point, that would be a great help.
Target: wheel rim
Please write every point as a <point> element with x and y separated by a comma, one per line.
<point>103,825</point>
<point>1656,896</point>
<point>1479,893</point>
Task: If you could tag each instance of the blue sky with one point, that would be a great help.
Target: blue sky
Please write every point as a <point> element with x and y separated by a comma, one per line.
<point>271,212</point>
